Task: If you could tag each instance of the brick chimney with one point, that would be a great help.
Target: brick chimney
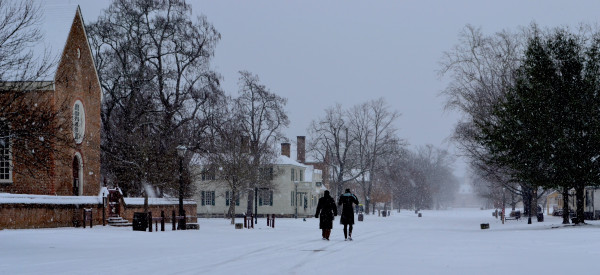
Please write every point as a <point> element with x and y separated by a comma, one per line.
<point>285,149</point>
<point>300,148</point>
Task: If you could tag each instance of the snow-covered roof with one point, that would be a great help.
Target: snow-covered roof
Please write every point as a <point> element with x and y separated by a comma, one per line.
<point>284,160</point>
<point>46,199</point>
<point>7,198</point>
<point>155,201</point>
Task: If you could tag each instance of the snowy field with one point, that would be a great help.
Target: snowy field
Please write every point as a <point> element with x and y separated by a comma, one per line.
<point>440,242</point>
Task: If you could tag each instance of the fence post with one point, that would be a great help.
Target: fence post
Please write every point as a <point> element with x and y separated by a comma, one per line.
<point>183,223</point>
<point>103,211</point>
<point>149,221</point>
<point>162,221</point>
<point>91,218</point>
<point>83,218</point>
<point>252,220</point>
<point>273,221</point>
<point>245,221</point>
<point>173,220</point>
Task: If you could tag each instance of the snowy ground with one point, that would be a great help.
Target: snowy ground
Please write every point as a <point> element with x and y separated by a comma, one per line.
<point>441,242</point>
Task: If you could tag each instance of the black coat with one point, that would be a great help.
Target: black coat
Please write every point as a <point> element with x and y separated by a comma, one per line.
<point>346,200</point>
<point>327,210</point>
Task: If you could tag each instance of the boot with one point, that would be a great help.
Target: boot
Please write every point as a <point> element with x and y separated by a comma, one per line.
<point>324,233</point>
<point>327,233</point>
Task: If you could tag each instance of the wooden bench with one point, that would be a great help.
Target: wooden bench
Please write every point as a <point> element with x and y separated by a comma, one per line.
<point>514,216</point>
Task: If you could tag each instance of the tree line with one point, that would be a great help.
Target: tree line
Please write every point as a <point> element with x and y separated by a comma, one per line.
<point>362,149</point>
<point>531,102</point>
<point>159,93</point>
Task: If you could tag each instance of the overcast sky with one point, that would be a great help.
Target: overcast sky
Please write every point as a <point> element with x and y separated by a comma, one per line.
<point>318,53</point>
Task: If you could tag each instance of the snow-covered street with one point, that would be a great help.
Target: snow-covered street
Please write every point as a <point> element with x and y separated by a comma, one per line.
<point>441,242</point>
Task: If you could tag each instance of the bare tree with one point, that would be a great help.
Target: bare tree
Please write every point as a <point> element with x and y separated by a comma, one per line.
<point>331,143</point>
<point>482,69</point>
<point>261,117</point>
<point>372,125</point>
<point>228,159</point>
<point>153,64</point>
<point>422,179</point>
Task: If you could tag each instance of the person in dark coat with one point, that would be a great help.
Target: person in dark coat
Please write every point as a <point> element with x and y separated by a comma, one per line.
<point>347,218</point>
<point>327,210</point>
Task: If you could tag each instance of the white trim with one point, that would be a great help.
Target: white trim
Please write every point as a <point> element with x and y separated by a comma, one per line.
<point>78,137</point>
<point>10,164</point>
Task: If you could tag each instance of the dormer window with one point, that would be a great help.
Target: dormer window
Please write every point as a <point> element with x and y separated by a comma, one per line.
<point>78,122</point>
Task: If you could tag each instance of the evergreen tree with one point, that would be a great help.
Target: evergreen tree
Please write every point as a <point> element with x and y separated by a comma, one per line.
<point>546,129</point>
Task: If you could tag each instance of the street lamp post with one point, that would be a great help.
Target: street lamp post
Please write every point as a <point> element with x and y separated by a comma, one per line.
<point>181,153</point>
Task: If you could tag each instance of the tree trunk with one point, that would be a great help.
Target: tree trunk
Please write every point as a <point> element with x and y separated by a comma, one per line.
<point>579,200</point>
<point>250,202</point>
<point>565,195</point>
<point>534,203</point>
<point>231,211</point>
<point>145,202</point>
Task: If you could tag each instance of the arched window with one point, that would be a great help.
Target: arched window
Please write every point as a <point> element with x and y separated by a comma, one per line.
<point>78,121</point>
<point>77,175</point>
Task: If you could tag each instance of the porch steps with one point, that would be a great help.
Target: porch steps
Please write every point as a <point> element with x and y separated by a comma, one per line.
<point>118,221</point>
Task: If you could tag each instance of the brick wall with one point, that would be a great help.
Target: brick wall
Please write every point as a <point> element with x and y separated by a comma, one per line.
<point>14,216</point>
<point>38,178</point>
<point>19,216</point>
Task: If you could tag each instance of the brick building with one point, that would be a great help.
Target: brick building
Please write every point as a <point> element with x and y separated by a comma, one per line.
<point>56,193</point>
<point>42,195</point>
<point>72,89</point>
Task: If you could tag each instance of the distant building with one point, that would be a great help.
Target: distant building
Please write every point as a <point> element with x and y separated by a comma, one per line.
<point>296,190</point>
<point>466,196</point>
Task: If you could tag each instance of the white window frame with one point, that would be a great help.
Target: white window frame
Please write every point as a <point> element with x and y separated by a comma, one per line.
<point>228,199</point>
<point>10,156</point>
<point>207,198</point>
<point>265,197</point>
<point>78,124</point>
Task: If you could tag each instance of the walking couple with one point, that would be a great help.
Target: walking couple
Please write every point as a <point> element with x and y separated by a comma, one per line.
<point>327,210</point>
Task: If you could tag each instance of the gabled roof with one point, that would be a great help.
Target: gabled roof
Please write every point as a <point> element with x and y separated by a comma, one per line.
<point>55,24</point>
<point>284,160</point>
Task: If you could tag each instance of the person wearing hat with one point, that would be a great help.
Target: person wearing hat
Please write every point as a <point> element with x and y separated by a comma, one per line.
<point>327,210</point>
<point>347,218</point>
